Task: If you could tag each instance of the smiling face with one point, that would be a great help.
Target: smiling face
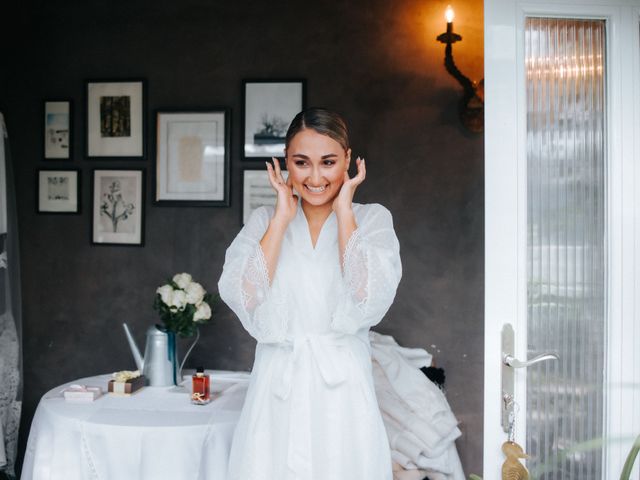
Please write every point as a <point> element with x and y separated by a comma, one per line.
<point>316,164</point>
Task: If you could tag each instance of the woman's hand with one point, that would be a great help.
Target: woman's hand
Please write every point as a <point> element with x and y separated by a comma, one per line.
<point>343,201</point>
<point>287,202</point>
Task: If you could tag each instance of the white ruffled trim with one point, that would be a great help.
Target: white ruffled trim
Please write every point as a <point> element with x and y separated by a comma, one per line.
<point>266,312</point>
<point>355,271</point>
<point>348,250</point>
<point>257,274</point>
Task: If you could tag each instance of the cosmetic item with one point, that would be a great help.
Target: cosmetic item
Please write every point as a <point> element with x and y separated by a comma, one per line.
<point>81,393</point>
<point>200,392</point>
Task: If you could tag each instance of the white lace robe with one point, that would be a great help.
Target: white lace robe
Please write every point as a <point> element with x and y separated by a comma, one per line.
<point>311,411</point>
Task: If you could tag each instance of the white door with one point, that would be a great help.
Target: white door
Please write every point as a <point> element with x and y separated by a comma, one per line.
<point>562,243</point>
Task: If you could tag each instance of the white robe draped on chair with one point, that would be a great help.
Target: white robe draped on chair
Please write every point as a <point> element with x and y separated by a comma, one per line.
<point>420,424</point>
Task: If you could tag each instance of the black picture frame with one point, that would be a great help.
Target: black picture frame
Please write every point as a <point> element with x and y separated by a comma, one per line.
<point>57,131</point>
<point>100,236</point>
<point>275,113</point>
<point>252,191</point>
<point>50,195</point>
<point>123,140</point>
<point>167,158</point>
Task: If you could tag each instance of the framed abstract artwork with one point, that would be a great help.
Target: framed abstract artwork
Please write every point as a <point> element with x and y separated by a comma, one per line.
<point>257,191</point>
<point>192,157</point>
<point>115,119</point>
<point>118,207</point>
<point>58,191</point>
<point>268,108</point>
<point>57,129</point>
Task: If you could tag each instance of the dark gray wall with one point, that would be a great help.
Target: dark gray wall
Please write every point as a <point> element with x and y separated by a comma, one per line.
<point>374,60</point>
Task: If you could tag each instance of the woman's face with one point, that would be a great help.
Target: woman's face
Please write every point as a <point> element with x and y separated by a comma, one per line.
<point>316,164</point>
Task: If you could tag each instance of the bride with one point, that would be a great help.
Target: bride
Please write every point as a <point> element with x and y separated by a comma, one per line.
<point>307,279</point>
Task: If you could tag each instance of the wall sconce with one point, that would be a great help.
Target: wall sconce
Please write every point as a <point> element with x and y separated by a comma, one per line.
<point>471,106</point>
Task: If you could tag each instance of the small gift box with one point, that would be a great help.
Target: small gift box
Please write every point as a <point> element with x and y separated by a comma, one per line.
<point>81,393</point>
<point>126,383</point>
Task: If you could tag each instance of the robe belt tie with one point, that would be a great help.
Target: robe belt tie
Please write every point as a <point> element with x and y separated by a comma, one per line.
<point>322,347</point>
<point>319,349</point>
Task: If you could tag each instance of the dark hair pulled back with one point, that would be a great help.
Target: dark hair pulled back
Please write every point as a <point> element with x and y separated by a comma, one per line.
<point>322,120</point>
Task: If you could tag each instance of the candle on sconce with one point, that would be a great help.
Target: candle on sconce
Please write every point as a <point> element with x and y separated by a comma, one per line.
<point>449,16</point>
<point>449,37</point>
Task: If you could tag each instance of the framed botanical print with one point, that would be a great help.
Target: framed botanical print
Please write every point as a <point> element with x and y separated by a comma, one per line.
<point>192,157</point>
<point>269,107</point>
<point>118,207</point>
<point>257,191</point>
<point>57,128</point>
<point>58,191</point>
<point>115,119</point>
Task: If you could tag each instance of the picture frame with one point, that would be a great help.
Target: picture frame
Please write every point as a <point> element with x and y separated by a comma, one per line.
<point>257,190</point>
<point>192,165</point>
<point>118,206</point>
<point>115,119</point>
<point>268,108</point>
<point>57,129</point>
<point>58,191</point>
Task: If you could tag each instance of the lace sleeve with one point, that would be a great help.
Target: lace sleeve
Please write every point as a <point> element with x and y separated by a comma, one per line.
<point>371,272</point>
<point>244,283</point>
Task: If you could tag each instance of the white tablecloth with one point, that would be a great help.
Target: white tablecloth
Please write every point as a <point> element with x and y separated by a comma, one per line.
<point>155,433</point>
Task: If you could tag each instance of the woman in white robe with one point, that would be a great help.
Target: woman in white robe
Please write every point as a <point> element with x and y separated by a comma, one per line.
<point>307,279</point>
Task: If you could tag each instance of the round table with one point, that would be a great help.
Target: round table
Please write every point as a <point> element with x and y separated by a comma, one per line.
<point>154,433</point>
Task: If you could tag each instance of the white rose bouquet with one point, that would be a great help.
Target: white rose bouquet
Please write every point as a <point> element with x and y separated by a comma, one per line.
<point>183,305</point>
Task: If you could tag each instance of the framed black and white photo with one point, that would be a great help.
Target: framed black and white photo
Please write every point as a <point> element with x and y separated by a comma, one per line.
<point>269,107</point>
<point>257,191</point>
<point>58,191</point>
<point>118,208</point>
<point>192,157</point>
<point>57,128</point>
<point>115,119</point>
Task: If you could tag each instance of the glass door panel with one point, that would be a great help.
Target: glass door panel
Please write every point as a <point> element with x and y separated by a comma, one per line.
<point>566,297</point>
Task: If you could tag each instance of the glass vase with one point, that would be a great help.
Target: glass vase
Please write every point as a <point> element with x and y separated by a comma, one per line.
<point>176,365</point>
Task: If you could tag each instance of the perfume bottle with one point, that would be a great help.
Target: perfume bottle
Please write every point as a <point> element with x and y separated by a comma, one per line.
<point>200,393</point>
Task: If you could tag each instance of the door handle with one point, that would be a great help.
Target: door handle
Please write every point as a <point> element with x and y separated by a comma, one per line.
<point>509,364</point>
<point>511,361</point>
